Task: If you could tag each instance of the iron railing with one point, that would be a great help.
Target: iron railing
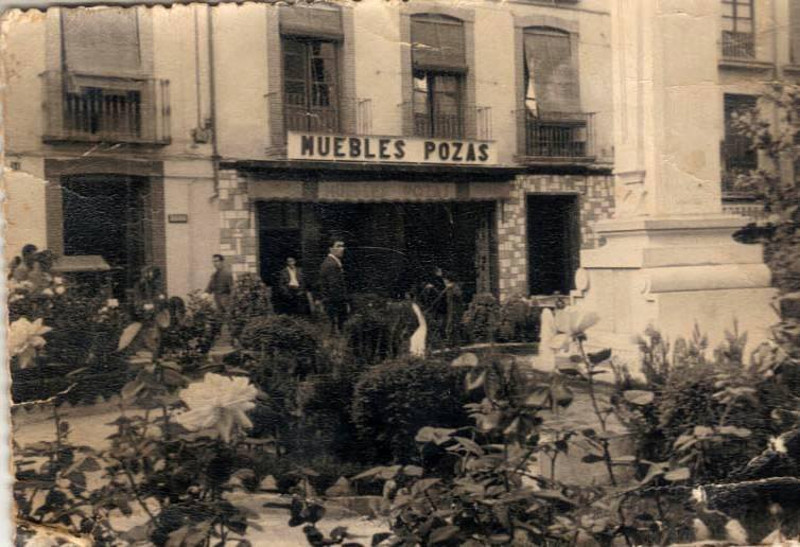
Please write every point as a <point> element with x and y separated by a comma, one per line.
<point>337,115</point>
<point>738,45</point>
<point>83,107</point>
<point>558,135</point>
<point>467,122</point>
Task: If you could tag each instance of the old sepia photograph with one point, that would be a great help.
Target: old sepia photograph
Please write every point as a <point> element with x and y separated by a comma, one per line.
<point>390,273</point>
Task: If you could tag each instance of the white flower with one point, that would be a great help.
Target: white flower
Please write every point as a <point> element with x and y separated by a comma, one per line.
<point>60,289</point>
<point>25,337</point>
<point>58,280</point>
<point>48,292</point>
<point>218,402</point>
<point>569,324</point>
<point>148,307</point>
<point>15,297</point>
<point>778,445</point>
<point>112,303</point>
<point>699,495</point>
<point>162,297</point>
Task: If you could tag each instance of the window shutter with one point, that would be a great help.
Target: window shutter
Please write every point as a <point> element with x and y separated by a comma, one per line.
<point>101,39</point>
<point>313,21</point>
<point>548,59</point>
<point>437,42</point>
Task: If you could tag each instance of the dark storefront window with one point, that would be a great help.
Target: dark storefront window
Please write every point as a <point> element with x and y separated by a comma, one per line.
<point>310,84</point>
<point>738,154</point>
<point>439,63</point>
<point>738,37</point>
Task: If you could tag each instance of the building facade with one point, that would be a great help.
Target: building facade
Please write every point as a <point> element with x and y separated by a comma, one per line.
<point>473,136</point>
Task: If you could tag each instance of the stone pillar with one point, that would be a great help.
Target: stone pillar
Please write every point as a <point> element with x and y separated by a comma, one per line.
<point>669,259</point>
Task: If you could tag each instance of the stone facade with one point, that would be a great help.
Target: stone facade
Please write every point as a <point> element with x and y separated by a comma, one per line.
<point>238,242</point>
<point>596,198</point>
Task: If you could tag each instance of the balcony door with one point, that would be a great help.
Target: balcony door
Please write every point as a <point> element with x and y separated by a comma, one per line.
<point>311,100</point>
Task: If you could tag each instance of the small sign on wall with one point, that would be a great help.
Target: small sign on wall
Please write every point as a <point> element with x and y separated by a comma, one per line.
<point>179,218</point>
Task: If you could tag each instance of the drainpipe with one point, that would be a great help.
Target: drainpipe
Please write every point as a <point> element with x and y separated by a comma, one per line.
<point>212,97</point>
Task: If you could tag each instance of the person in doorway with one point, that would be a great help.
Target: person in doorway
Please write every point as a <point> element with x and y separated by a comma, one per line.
<point>294,297</point>
<point>333,287</point>
<point>454,310</point>
<point>220,286</point>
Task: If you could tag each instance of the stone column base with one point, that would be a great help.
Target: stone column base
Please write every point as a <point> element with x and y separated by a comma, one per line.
<point>673,273</point>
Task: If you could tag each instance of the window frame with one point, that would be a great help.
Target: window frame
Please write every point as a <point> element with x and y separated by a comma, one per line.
<point>742,162</point>
<point>738,43</point>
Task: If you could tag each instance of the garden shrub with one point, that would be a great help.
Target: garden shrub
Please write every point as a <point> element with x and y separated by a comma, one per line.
<point>519,321</point>
<point>190,335</point>
<point>394,399</point>
<point>251,300</point>
<point>295,341</point>
<point>378,329</point>
<point>482,319</point>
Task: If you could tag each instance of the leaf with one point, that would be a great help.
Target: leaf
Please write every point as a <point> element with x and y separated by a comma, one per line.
<point>131,389</point>
<point>380,538</point>
<point>423,485</point>
<point>639,397</point>
<point>445,533</point>
<point>740,432</point>
<point>470,445</point>
<point>437,435</point>
<point>128,335</point>
<point>413,471</point>
<point>600,356</point>
<point>568,369</point>
<point>539,398</point>
<point>475,382</point>
<point>624,460</point>
<point>465,360</point>
<point>552,495</point>
<point>680,474</point>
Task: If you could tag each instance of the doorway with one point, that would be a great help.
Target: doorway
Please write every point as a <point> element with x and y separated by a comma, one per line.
<point>553,243</point>
<point>107,215</point>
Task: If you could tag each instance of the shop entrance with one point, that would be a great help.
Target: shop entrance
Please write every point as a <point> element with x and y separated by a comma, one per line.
<point>391,247</point>
<point>106,215</point>
<point>553,243</point>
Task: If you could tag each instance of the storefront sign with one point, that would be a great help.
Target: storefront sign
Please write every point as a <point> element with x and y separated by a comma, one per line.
<point>178,218</point>
<point>327,147</point>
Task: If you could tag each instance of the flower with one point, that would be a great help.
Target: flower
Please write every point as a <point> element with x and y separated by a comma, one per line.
<point>218,402</point>
<point>570,324</point>
<point>58,280</point>
<point>112,303</point>
<point>48,292</point>
<point>24,338</point>
<point>148,307</point>
<point>60,289</point>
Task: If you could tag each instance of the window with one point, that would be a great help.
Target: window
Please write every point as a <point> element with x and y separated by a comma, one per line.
<point>738,154</point>
<point>310,84</point>
<point>439,64</point>
<point>737,28</point>
<point>554,124</point>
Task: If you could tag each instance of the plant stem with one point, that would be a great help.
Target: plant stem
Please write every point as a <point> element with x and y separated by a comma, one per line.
<point>598,413</point>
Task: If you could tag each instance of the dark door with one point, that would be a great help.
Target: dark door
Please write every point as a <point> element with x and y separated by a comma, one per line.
<point>279,237</point>
<point>553,243</point>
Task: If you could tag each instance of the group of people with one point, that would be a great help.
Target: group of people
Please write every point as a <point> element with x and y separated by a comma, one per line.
<point>32,266</point>
<point>292,294</point>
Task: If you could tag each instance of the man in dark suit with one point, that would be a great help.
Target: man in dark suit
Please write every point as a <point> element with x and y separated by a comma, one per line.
<point>333,287</point>
<point>294,296</point>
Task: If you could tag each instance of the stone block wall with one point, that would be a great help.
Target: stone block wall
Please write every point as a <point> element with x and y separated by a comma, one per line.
<point>596,198</point>
<point>238,240</point>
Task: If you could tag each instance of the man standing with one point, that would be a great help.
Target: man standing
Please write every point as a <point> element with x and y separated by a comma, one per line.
<point>220,286</point>
<point>294,297</point>
<point>332,285</point>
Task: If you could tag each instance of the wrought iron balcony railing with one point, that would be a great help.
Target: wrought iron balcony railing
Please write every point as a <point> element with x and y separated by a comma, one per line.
<point>83,107</point>
<point>558,135</point>
<point>465,122</point>
<point>738,45</point>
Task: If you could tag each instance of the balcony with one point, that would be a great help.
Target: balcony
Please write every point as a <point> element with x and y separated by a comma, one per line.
<point>558,136</point>
<point>738,45</point>
<point>468,122</point>
<point>88,108</point>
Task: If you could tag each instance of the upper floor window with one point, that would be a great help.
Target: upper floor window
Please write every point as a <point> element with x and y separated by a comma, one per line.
<point>554,125</point>
<point>738,154</point>
<point>101,40</point>
<point>738,38</point>
<point>310,84</point>
<point>439,67</point>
